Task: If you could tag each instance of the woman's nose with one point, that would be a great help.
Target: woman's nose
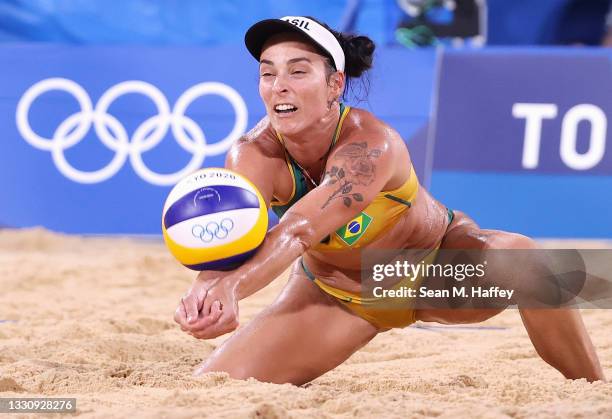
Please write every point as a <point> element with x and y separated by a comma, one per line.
<point>280,84</point>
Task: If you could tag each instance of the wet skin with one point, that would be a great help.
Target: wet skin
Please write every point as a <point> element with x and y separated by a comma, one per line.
<point>305,332</point>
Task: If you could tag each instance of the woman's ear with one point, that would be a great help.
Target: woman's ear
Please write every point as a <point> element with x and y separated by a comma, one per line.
<point>336,83</point>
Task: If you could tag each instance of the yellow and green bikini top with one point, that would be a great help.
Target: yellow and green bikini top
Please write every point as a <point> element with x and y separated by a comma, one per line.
<point>382,213</point>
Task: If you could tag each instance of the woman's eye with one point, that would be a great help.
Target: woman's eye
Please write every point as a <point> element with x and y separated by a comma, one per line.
<point>299,72</point>
<point>266,74</point>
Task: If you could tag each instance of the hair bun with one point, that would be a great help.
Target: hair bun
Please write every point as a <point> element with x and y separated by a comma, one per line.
<point>358,56</point>
<point>359,53</point>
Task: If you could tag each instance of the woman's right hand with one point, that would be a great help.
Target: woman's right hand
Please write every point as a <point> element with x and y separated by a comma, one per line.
<point>210,307</point>
<point>188,311</point>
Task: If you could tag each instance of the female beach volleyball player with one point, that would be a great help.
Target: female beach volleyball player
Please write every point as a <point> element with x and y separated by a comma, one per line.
<point>322,165</point>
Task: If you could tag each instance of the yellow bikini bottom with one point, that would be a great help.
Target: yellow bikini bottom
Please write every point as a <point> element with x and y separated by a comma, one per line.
<point>384,312</point>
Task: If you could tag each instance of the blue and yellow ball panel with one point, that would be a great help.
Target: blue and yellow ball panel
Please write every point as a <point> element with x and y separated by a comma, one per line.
<point>226,264</point>
<point>208,200</point>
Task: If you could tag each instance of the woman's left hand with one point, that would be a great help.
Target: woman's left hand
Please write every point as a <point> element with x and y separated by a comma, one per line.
<point>219,312</point>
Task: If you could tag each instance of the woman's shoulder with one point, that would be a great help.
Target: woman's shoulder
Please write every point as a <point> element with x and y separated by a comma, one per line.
<point>260,139</point>
<point>364,124</point>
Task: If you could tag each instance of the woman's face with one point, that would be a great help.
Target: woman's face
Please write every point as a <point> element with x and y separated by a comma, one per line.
<point>293,84</point>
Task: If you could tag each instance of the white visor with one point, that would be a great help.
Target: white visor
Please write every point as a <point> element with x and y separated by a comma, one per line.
<point>259,33</point>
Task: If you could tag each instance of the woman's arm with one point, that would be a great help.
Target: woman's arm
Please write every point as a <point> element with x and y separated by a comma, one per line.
<point>357,170</point>
<point>259,162</point>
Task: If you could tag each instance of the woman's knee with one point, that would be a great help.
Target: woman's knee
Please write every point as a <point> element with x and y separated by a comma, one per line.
<point>496,239</point>
<point>516,263</point>
<point>240,371</point>
<point>237,371</point>
<point>210,365</point>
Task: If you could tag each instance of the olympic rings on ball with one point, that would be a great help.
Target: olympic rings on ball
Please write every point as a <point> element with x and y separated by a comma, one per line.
<point>213,230</point>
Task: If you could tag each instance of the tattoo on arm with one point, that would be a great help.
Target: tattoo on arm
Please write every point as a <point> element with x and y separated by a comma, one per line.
<point>356,168</point>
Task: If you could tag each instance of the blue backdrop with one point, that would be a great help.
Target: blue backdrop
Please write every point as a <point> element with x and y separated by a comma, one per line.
<point>522,139</point>
<point>211,23</point>
<point>94,138</point>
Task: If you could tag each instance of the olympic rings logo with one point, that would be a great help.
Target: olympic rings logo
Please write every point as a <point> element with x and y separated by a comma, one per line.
<point>113,134</point>
<point>213,230</point>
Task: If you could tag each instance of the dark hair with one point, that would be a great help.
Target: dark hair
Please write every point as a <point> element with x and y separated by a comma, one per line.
<point>358,55</point>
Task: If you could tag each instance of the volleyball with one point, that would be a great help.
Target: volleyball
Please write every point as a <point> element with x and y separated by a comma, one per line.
<point>214,219</point>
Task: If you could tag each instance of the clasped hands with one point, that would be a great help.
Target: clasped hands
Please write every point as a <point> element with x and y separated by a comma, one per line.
<point>210,307</point>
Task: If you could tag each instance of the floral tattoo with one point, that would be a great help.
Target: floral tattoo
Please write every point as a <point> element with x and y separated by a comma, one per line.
<point>357,168</point>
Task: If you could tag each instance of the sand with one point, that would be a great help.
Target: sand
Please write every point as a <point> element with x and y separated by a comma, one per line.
<point>91,318</point>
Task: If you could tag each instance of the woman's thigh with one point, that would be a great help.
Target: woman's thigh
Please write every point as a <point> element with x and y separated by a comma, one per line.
<point>465,234</point>
<point>302,335</point>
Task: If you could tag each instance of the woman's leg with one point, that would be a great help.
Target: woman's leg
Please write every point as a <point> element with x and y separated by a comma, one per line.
<point>560,338</point>
<point>302,335</point>
<point>558,335</point>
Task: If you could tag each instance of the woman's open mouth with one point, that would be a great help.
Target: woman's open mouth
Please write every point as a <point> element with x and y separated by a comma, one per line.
<point>284,108</point>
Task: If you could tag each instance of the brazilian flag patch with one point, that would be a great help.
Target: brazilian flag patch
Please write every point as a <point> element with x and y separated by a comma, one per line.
<point>354,229</point>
